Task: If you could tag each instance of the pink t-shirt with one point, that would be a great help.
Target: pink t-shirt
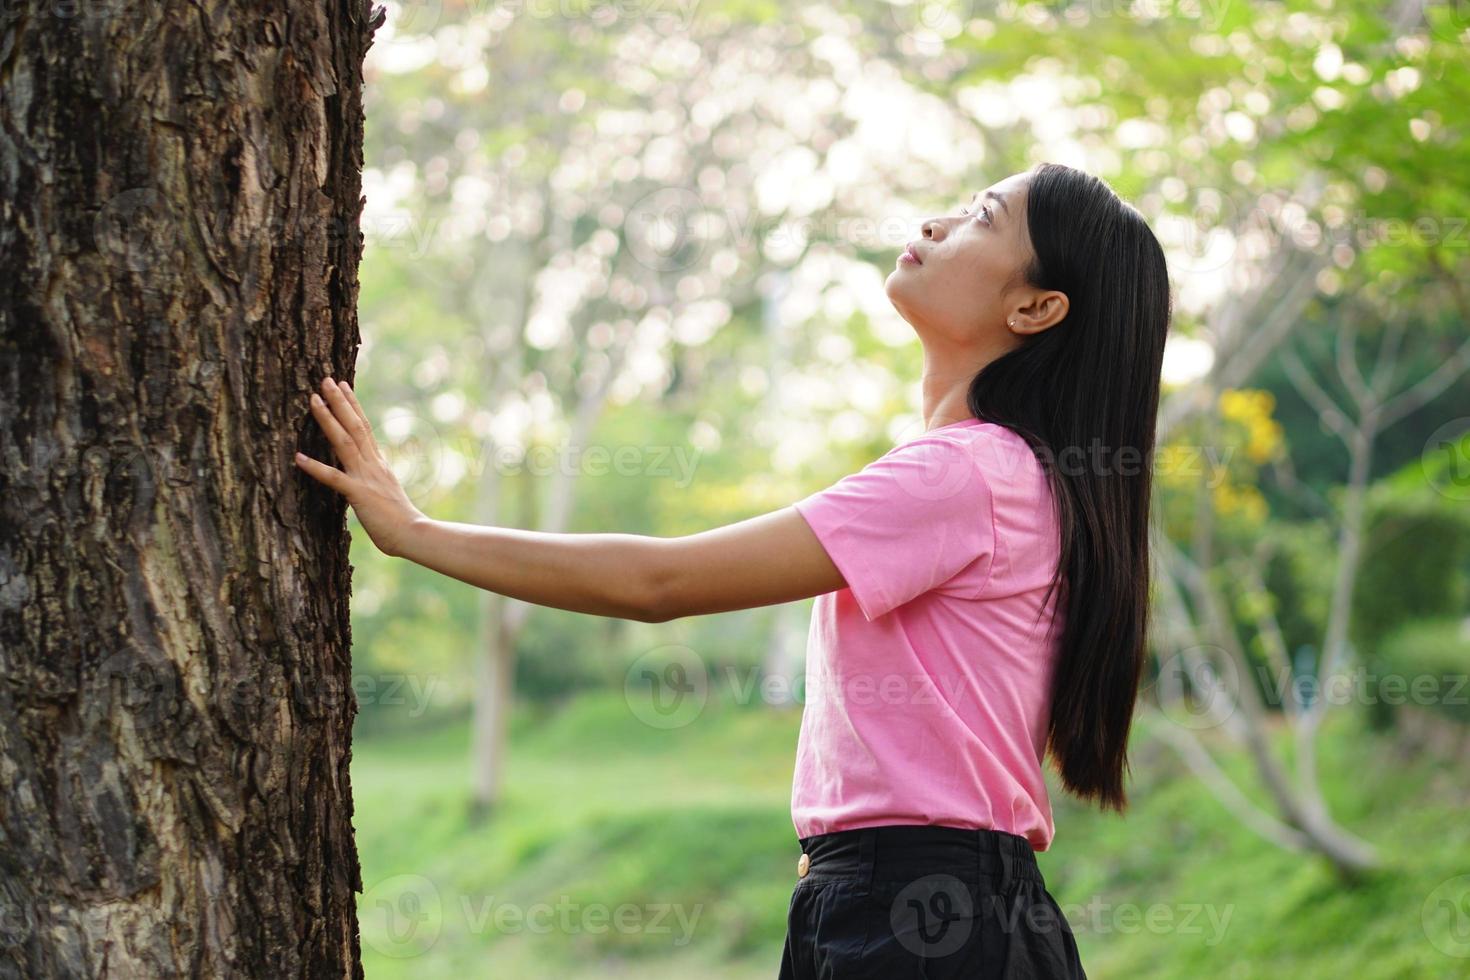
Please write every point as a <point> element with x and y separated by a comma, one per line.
<point>928,677</point>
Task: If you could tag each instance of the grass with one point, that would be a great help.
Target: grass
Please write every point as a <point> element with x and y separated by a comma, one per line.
<point>620,849</point>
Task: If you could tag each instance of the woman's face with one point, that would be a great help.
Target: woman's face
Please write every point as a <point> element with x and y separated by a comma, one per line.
<point>968,286</point>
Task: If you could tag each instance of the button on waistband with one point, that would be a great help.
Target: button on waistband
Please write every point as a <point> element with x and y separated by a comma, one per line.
<point>803,865</point>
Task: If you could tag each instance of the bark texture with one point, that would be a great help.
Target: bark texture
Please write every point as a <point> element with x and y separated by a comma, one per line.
<point>179,199</point>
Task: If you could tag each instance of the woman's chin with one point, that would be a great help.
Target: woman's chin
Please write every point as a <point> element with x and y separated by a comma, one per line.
<point>897,286</point>
<point>896,298</point>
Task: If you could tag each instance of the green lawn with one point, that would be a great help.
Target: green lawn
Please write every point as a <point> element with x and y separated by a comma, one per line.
<point>626,850</point>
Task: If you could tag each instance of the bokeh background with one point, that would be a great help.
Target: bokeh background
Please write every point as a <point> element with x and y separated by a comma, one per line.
<point>624,272</point>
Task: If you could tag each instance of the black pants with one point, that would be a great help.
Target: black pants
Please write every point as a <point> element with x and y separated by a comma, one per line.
<point>924,901</point>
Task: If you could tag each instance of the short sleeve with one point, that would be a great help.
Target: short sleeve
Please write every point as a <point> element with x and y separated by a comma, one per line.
<point>906,523</point>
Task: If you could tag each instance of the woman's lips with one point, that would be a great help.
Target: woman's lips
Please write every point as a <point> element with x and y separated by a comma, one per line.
<point>909,255</point>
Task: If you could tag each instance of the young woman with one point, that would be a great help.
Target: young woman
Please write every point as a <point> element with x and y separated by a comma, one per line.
<point>982,588</point>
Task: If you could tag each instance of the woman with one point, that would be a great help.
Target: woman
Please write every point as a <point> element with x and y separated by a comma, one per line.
<point>937,674</point>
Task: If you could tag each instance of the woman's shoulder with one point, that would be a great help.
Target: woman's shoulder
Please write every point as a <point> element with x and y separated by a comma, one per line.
<point>1000,451</point>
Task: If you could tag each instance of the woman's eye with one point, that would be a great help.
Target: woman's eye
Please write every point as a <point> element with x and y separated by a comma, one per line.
<point>983,212</point>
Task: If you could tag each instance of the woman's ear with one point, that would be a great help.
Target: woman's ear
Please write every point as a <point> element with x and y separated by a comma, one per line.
<point>1043,310</point>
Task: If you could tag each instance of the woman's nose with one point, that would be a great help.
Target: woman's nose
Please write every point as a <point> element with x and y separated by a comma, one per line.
<point>931,228</point>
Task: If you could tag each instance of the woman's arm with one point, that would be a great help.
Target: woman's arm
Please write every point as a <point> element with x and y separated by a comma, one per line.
<point>757,562</point>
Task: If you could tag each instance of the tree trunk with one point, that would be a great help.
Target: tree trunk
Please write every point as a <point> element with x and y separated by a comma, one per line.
<point>494,695</point>
<point>179,201</point>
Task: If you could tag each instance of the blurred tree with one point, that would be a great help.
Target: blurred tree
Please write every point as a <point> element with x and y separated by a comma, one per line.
<point>608,235</point>
<point>1293,157</point>
<point>1290,151</point>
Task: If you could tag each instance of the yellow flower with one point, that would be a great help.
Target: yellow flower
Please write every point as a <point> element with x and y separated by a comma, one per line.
<point>1264,441</point>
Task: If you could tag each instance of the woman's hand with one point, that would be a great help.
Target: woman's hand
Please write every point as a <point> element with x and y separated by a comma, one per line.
<point>365,480</point>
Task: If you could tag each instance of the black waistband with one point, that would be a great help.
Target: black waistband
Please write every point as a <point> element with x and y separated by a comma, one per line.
<point>912,851</point>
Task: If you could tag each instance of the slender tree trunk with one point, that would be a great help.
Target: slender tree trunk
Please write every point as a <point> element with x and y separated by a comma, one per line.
<point>179,200</point>
<point>493,697</point>
<point>503,619</point>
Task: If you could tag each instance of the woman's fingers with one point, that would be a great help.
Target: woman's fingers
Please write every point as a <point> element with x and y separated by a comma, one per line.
<point>367,427</point>
<point>329,475</point>
<point>348,417</point>
<point>342,443</point>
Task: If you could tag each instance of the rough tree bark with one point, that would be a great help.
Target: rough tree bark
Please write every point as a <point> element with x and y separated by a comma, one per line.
<point>179,245</point>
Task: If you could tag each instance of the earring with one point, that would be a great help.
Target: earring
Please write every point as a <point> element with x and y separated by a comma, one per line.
<point>1011,324</point>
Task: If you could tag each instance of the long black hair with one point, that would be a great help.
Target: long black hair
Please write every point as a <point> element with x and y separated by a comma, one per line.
<point>1084,393</point>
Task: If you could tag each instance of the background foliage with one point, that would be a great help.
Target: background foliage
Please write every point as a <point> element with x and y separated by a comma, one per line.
<point>673,221</point>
